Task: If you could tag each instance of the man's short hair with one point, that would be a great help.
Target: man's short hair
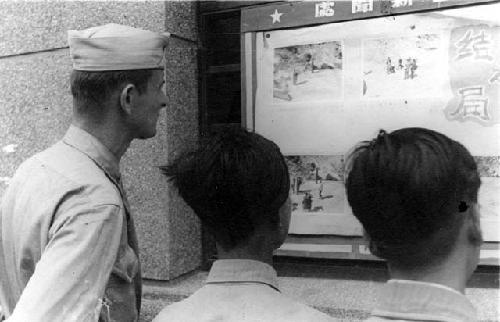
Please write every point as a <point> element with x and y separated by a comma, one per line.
<point>409,190</point>
<point>91,89</point>
<point>234,181</point>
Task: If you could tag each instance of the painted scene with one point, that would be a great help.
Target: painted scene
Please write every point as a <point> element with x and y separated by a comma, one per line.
<point>306,73</point>
<point>317,184</point>
<point>489,192</point>
<point>489,207</point>
<point>404,67</point>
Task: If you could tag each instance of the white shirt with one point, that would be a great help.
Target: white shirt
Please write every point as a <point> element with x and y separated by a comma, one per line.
<point>240,291</point>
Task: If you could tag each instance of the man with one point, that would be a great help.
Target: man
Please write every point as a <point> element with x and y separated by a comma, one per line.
<point>415,193</point>
<point>238,185</point>
<point>68,248</point>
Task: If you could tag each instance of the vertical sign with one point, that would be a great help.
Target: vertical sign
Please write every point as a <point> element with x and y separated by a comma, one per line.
<point>474,74</point>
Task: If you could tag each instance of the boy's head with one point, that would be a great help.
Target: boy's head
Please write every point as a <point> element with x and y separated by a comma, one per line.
<point>236,182</point>
<point>414,190</point>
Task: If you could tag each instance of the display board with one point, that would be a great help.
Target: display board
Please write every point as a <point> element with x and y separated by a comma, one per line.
<point>317,91</point>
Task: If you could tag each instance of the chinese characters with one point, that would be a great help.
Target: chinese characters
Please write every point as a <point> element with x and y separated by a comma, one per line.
<point>401,3</point>
<point>473,103</point>
<point>362,6</point>
<point>325,9</point>
<point>474,74</point>
<point>495,77</point>
<point>476,45</point>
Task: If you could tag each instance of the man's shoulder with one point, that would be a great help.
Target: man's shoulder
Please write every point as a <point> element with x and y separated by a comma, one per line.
<point>296,311</point>
<point>268,307</point>
<point>281,307</point>
<point>61,170</point>
<point>70,162</point>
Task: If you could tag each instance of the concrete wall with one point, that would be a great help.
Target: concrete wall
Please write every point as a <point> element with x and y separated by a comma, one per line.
<point>35,111</point>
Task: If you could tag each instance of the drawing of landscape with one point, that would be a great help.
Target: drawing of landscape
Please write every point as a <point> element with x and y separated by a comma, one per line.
<point>404,67</point>
<point>319,203</point>
<point>489,207</point>
<point>317,184</point>
<point>306,73</point>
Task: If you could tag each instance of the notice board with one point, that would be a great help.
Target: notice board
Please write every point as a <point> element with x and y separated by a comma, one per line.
<point>318,90</point>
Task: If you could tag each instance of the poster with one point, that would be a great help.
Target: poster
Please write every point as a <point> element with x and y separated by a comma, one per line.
<point>319,201</point>
<point>411,66</point>
<point>322,89</point>
<point>489,197</point>
<point>439,70</point>
<point>308,72</point>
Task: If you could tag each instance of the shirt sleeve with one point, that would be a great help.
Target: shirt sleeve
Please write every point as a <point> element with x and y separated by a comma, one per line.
<point>69,281</point>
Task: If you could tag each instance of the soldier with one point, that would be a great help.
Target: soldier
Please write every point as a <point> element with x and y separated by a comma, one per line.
<point>68,248</point>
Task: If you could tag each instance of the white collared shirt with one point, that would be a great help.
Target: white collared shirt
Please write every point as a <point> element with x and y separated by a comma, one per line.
<point>405,300</point>
<point>240,291</point>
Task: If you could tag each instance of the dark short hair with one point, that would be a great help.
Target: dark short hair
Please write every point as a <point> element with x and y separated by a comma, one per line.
<point>234,181</point>
<point>90,89</point>
<point>409,189</point>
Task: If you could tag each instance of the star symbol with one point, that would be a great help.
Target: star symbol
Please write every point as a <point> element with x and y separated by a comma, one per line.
<point>276,16</point>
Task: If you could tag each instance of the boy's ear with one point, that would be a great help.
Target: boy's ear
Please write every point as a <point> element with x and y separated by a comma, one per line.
<point>474,232</point>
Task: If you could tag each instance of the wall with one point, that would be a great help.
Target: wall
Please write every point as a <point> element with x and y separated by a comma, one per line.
<point>35,111</point>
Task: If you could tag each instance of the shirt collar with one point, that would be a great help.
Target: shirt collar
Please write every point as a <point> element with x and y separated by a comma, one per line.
<point>94,149</point>
<point>242,271</point>
<point>424,301</point>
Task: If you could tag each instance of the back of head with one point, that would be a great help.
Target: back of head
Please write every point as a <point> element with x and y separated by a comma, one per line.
<point>234,181</point>
<point>409,190</point>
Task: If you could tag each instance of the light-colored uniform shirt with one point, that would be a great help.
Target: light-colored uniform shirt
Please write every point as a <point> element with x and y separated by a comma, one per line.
<point>403,300</point>
<point>240,291</point>
<point>67,242</point>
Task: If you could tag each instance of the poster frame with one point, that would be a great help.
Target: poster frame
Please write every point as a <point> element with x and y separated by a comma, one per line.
<point>254,20</point>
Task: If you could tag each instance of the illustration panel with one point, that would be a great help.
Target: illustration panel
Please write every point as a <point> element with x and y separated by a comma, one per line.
<point>306,73</point>
<point>488,166</point>
<point>489,208</point>
<point>489,196</point>
<point>404,67</point>
<point>319,203</point>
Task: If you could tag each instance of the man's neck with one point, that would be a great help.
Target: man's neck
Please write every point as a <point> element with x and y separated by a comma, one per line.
<point>245,255</point>
<point>109,134</point>
<point>259,250</point>
<point>452,276</point>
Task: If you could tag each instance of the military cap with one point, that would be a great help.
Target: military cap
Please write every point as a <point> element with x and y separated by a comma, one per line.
<point>116,47</point>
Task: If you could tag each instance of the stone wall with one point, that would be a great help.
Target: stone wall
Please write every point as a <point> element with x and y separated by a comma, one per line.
<point>35,111</point>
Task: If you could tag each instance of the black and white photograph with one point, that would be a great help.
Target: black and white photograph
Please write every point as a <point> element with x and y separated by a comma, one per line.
<point>490,207</point>
<point>404,67</point>
<point>306,73</point>
<point>489,200</point>
<point>249,161</point>
<point>318,197</point>
<point>317,184</point>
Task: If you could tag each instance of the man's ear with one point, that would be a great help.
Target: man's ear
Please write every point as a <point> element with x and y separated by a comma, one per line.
<point>127,97</point>
<point>474,232</point>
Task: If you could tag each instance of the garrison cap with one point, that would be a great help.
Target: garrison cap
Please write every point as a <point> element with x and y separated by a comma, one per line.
<point>116,47</point>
